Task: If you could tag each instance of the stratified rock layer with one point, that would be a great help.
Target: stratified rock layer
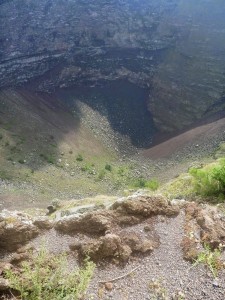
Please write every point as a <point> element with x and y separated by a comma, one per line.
<point>173,48</point>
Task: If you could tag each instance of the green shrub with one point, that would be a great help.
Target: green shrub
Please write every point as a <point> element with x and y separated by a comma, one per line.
<point>21,161</point>
<point>210,258</point>
<point>101,174</point>
<point>123,171</point>
<point>4,175</point>
<point>88,168</point>
<point>48,157</point>
<point>140,183</point>
<point>210,180</point>
<point>79,157</point>
<point>152,184</point>
<point>14,149</point>
<point>50,277</point>
<point>108,167</point>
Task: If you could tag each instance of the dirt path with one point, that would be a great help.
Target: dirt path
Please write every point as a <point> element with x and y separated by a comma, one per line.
<point>163,272</point>
<point>165,266</point>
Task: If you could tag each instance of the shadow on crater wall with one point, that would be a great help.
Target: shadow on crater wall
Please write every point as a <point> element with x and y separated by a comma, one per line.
<point>123,103</point>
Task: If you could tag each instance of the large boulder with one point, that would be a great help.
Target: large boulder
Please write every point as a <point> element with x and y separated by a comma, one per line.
<point>114,246</point>
<point>108,247</point>
<point>16,229</point>
<point>146,206</point>
<point>95,222</point>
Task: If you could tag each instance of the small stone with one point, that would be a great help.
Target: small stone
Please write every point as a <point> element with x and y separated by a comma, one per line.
<point>51,209</point>
<point>215,282</point>
<point>4,284</point>
<point>147,228</point>
<point>109,286</point>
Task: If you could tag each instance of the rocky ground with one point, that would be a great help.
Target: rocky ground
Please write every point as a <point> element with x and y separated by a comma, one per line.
<point>143,246</point>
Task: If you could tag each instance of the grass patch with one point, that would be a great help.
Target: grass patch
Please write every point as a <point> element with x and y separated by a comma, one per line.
<point>210,180</point>
<point>89,168</point>
<point>4,175</point>
<point>101,174</point>
<point>152,184</point>
<point>211,259</point>
<point>49,276</point>
<point>179,188</point>
<point>79,157</point>
<point>48,158</point>
<point>108,167</point>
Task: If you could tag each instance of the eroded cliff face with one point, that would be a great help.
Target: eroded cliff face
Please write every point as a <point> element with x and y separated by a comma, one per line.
<point>172,48</point>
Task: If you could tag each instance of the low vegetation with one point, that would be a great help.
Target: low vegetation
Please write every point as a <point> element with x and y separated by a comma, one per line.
<point>79,157</point>
<point>152,184</point>
<point>210,258</point>
<point>108,167</point>
<point>210,180</point>
<point>49,277</point>
<point>49,158</point>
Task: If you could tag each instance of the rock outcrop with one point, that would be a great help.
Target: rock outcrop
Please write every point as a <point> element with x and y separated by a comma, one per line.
<point>16,229</point>
<point>170,48</point>
<point>125,211</point>
<point>204,226</point>
<point>113,246</point>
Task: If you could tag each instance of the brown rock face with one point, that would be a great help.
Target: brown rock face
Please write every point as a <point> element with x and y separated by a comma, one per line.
<point>112,246</point>
<point>126,212</point>
<point>115,242</point>
<point>14,235</point>
<point>204,225</point>
<point>109,246</point>
<point>137,244</point>
<point>43,223</point>
<point>146,206</point>
<point>95,222</point>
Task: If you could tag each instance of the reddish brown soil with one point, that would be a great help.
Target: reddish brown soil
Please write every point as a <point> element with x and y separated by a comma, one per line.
<point>190,137</point>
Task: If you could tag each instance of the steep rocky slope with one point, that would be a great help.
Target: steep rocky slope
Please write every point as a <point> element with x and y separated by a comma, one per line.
<point>64,146</point>
<point>172,48</point>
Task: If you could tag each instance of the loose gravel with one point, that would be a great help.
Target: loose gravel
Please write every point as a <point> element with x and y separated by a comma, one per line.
<point>158,275</point>
<point>164,266</point>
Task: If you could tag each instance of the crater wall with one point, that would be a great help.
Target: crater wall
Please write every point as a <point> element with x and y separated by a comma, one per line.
<point>174,49</point>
